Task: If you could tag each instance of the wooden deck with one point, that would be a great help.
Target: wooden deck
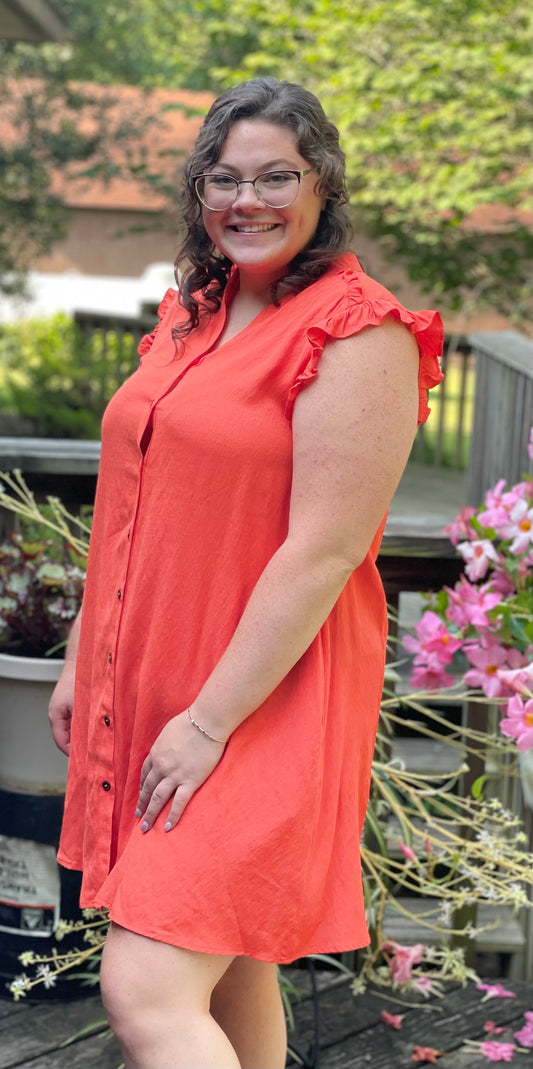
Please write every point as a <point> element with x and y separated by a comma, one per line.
<point>352,1035</point>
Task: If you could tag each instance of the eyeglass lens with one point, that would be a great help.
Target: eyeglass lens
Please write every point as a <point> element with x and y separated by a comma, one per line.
<point>276,189</point>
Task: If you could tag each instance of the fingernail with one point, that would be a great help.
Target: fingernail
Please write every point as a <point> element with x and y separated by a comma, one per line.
<point>168,826</point>
<point>138,812</point>
<point>144,826</point>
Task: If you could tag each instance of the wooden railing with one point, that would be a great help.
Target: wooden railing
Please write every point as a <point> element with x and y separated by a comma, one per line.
<point>445,440</point>
<point>503,410</point>
<point>481,414</point>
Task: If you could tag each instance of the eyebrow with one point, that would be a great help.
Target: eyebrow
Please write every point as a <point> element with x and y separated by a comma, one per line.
<point>272,165</point>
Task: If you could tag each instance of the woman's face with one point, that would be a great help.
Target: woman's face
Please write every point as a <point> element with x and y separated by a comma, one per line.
<point>260,240</point>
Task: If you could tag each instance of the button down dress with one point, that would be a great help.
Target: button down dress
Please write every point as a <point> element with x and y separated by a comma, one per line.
<point>192,502</point>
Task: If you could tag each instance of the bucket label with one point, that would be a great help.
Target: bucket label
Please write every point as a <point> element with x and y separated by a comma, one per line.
<point>30,891</point>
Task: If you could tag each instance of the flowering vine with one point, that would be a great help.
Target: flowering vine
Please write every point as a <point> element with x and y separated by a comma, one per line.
<point>482,628</point>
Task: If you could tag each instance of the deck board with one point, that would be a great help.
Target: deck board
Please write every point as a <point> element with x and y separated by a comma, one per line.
<point>352,1035</point>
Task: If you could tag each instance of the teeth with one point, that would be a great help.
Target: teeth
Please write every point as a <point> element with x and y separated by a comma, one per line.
<point>257,229</point>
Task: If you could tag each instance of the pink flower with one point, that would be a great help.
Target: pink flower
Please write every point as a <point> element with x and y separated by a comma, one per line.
<point>407,851</point>
<point>487,660</point>
<point>522,530</point>
<point>493,496</point>
<point>433,637</point>
<point>505,511</point>
<point>518,679</point>
<point>518,723</point>
<point>497,1052</point>
<point>460,527</point>
<point>430,677</point>
<point>422,984</point>
<point>501,584</point>
<point>402,960</point>
<point>525,1035</point>
<point>425,1054</point>
<point>478,556</point>
<point>494,991</point>
<point>490,1027</point>
<point>394,1020</point>
<point>468,605</point>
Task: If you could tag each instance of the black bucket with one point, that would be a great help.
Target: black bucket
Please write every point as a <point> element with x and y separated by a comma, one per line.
<point>42,893</point>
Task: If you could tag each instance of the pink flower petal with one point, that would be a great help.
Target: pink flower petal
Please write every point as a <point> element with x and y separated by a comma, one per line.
<point>426,1054</point>
<point>525,1035</point>
<point>407,852</point>
<point>497,1052</point>
<point>394,1020</point>
<point>494,991</point>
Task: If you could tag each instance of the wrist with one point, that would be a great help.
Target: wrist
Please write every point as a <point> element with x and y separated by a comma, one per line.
<point>205,729</point>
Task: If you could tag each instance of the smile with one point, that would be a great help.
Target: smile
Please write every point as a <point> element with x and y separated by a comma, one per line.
<point>255,228</point>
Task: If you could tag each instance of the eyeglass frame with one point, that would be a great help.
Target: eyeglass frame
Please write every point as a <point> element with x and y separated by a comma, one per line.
<point>251,181</point>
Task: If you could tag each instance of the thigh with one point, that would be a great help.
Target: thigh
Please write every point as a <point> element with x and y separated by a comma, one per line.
<point>246,1004</point>
<point>246,987</point>
<point>136,969</point>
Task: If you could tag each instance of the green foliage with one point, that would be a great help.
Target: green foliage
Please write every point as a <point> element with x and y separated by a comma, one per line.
<point>433,104</point>
<point>56,381</point>
<point>41,589</point>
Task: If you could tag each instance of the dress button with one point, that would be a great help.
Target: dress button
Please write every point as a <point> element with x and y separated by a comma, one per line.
<point>107,721</point>
<point>110,658</point>
<point>106,785</point>
<point>129,533</point>
<point>119,594</point>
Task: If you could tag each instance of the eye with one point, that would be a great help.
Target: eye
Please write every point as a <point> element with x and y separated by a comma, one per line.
<point>220,181</point>
<point>276,178</point>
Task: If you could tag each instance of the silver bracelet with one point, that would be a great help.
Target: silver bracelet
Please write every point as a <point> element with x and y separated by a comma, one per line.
<point>203,731</point>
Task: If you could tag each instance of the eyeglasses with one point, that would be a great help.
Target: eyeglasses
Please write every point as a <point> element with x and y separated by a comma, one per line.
<point>276,189</point>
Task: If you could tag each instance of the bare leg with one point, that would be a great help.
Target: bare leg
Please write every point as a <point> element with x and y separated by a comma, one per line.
<point>157,1001</point>
<point>247,1005</point>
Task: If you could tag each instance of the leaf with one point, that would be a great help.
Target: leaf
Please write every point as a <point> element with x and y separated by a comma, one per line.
<point>478,785</point>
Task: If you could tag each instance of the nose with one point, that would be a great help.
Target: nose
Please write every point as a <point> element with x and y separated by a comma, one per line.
<point>247,196</point>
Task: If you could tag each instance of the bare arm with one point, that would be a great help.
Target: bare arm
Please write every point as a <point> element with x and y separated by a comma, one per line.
<point>62,700</point>
<point>353,429</point>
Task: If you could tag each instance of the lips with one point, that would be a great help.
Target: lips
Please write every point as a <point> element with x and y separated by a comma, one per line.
<point>253,228</point>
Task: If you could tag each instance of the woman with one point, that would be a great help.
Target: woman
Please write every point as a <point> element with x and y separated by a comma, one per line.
<point>232,647</point>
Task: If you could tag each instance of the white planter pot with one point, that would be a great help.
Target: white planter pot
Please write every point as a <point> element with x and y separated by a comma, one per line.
<point>30,762</point>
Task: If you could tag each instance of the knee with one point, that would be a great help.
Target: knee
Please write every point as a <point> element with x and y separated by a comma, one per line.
<point>120,992</point>
<point>129,993</point>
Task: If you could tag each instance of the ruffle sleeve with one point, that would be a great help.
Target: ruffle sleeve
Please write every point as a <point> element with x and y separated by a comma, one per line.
<point>147,341</point>
<point>355,310</point>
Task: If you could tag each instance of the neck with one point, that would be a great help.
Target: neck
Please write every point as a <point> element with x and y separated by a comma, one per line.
<point>256,288</point>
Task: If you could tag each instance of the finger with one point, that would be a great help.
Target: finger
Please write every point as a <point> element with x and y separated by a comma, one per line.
<point>159,798</point>
<point>182,798</point>
<point>145,770</point>
<point>61,734</point>
<point>148,784</point>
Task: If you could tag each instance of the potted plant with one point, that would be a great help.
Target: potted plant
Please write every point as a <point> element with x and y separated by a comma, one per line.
<point>42,573</point>
<point>41,587</point>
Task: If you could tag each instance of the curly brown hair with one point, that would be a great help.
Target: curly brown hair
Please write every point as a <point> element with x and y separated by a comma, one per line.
<point>200,267</point>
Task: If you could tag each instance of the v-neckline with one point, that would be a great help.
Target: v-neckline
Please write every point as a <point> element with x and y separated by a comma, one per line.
<point>222,316</point>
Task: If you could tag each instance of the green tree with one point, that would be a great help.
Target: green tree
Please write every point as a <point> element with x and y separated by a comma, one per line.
<point>54,129</point>
<point>433,104</point>
<point>432,101</point>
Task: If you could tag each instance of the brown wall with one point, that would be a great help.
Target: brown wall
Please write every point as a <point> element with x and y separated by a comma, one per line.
<point>112,243</point>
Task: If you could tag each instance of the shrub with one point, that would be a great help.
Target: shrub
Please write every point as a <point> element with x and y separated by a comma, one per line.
<point>55,382</point>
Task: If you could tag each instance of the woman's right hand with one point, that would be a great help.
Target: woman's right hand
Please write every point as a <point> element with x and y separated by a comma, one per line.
<point>61,706</point>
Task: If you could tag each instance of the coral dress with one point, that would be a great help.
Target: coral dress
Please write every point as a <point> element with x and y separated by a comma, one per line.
<point>192,502</point>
